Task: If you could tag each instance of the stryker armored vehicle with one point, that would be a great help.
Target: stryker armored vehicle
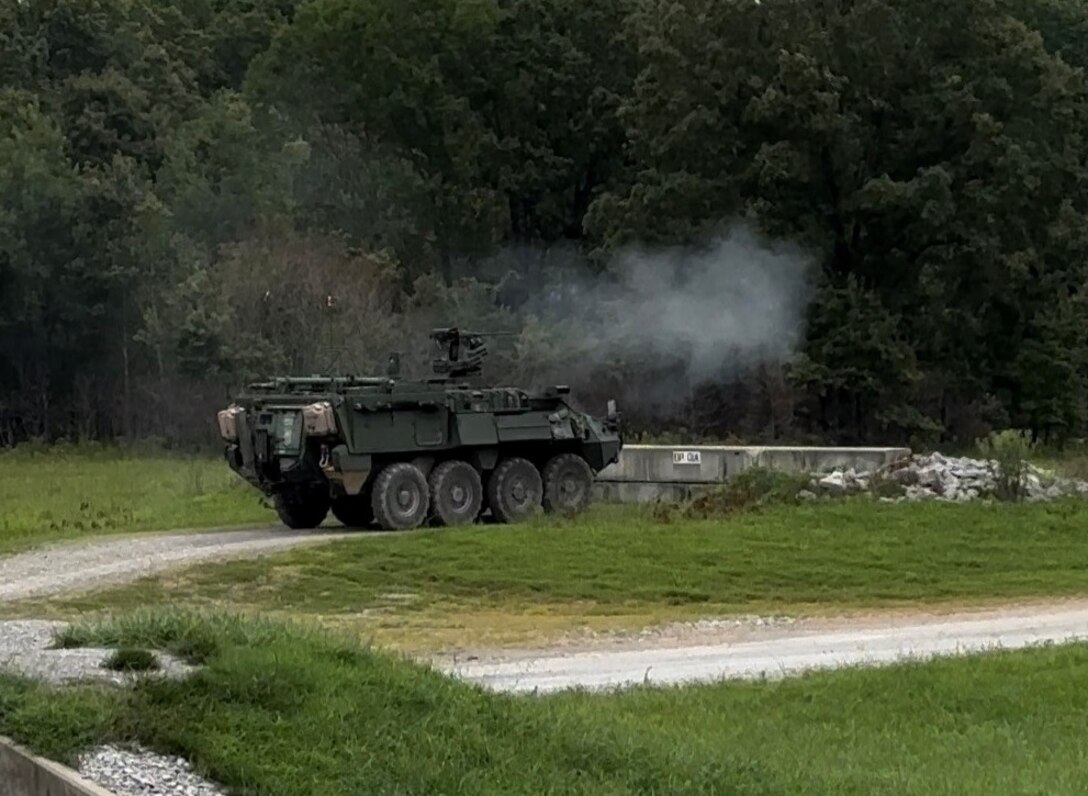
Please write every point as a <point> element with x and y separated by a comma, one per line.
<point>404,452</point>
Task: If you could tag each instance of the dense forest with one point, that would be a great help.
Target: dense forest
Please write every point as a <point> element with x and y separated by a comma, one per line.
<point>797,220</point>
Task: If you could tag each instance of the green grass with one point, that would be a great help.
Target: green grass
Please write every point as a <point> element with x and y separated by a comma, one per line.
<point>1071,463</point>
<point>285,712</point>
<point>65,493</point>
<point>131,659</point>
<point>619,567</point>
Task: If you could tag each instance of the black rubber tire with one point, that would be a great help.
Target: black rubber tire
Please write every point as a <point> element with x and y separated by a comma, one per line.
<point>514,490</point>
<point>302,508</point>
<point>354,511</point>
<point>568,484</point>
<point>401,497</point>
<point>457,493</point>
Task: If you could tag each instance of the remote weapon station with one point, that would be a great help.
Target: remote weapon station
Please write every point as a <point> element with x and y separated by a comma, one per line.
<point>403,452</point>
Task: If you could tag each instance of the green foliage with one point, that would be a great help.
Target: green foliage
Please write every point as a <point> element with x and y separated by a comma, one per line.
<point>58,725</point>
<point>1011,449</point>
<point>287,710</point>
<point>158,159</point>
<point>131,659</point>
<point>622,561</point>
<point>67,491</point>
<point>748,490</point>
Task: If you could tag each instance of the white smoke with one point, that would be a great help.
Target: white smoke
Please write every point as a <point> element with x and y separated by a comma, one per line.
<point>737,302</point>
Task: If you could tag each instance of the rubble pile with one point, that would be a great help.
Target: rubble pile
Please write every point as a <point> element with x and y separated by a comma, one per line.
<point>939,477</point>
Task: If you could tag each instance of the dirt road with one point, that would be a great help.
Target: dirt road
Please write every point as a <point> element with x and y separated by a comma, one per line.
<point>70,567</point>
<point>819,644</point>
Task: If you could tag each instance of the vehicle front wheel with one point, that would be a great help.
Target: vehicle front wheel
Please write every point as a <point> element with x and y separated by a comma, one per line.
<point>302,508</point>
<point>568,484</point>
<point>514,490</point>
<point>401,497</point>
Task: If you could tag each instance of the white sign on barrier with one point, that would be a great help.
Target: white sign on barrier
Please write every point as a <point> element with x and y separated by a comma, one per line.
<point>687,457</point>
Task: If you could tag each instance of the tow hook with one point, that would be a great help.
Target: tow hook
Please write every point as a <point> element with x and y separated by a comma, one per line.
<point>324,462</point>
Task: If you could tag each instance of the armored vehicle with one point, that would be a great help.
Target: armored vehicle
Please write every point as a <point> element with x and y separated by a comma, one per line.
<point>404,452</point>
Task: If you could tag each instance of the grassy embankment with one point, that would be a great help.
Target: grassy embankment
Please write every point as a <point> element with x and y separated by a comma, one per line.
<point>281,712</point>
<point>620,568</point>
<point>53,494</point>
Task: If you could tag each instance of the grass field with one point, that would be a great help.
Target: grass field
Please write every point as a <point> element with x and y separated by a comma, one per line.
<point>66,492</point>
<point>619,568</point>
<point>58,493</point>
<point>280,712</point>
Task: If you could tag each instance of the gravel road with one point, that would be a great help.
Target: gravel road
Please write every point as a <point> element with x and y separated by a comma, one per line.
<point>71,567</point>
<point>712,651</point>
<point>800,649</point>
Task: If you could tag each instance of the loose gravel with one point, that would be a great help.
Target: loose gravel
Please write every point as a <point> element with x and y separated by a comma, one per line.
<point>139,772</point>
<point>781,652</point>
<point>26,649</point>
<point>25,646</point>
<point>72,567</point>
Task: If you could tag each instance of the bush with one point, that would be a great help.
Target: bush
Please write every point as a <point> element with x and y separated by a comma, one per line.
<point>131,659</point>
<point>1010,449</point>
<point>748,490</point>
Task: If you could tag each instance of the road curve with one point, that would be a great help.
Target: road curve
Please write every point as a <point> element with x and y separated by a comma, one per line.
<point>784,655</point>
<point>72,567</point>
<point>820,644</point>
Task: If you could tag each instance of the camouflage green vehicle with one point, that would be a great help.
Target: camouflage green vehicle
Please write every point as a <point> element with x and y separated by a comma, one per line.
<point>404,452</point>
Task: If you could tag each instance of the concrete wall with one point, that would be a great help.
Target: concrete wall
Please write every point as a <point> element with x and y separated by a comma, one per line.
<point>645,473</point>
<point>24,774</point>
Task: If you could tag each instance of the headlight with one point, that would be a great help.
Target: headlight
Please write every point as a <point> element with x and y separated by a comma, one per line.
<point>319,419</point>
<point>228,423</point>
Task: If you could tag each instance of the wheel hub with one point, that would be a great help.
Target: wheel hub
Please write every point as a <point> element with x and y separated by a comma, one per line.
<point>406,499</point>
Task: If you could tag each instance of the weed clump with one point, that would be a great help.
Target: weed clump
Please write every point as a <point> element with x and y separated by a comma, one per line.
<point>131,659</point>
<point>747,491</point>
<point>1011,450</point>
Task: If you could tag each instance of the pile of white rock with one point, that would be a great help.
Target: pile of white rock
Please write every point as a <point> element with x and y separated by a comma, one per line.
<point>139,772</point>
<point>939,477</point>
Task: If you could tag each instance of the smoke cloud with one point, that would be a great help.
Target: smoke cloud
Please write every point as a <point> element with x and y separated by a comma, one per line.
<point>711,312</point>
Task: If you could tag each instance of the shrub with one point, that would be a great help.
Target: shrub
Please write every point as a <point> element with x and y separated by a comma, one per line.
<point>748,490</point>
<point>1010,449</point>
<point>131,659</point>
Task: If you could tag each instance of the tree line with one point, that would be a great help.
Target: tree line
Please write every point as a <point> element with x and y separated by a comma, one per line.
<point>199,192</point>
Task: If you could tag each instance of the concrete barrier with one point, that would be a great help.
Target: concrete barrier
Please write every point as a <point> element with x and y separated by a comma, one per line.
<point>647,473</point>
<point>26,774</point>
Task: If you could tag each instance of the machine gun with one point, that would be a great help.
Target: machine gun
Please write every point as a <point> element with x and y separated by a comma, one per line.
<point>462,352</point>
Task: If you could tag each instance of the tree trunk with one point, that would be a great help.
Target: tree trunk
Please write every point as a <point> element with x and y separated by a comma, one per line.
<point>126,403</point>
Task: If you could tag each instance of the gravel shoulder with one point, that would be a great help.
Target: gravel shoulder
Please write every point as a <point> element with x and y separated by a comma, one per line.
<point>754,650</point>
<point>83,565</point>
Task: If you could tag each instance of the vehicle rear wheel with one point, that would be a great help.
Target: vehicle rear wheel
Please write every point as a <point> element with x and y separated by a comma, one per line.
<point>354,511</point>
<point>514,490</point>
<point>568,484</point>
<point>301,508</point>
<point>401,497</point>
<point>456,493</point>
